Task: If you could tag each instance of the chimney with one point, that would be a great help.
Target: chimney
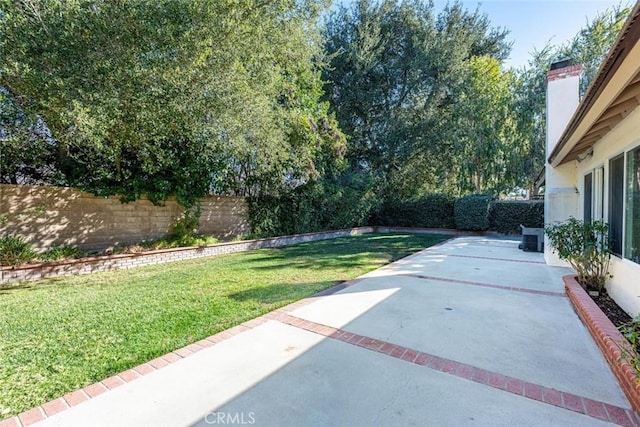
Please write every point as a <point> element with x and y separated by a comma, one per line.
<point>563,96</point>
<point>561,198</point>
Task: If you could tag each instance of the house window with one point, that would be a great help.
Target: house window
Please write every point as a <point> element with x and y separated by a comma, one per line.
<point>588,197</point>
<point>598,194</point>
<point>616,203</point>
<point>632,229</point>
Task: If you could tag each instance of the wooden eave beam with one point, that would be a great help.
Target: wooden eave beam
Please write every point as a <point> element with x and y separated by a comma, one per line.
<point>623,109</point>
<point>632,91</point>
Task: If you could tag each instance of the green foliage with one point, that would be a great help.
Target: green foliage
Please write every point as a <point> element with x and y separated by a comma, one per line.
<point>14,250</point>
<point>631,331</point>
<point>184,230</point>
<point>171,97</point>
<point>429,211</point>
<point>472,212</point>
<point>342,202</point>
<point>507,216</point>
<point>585,246</point>
<point>170,243</point>
<point>592,43</point>
<point>588,47</point>
<point>61,252</point>
<point>27,152</point>
<point>482,130</point>
<point>396,71</point>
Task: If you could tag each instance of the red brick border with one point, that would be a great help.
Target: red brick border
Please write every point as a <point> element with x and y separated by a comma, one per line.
<point>485,285</point>
<point>123,261</point>
<point>607,337</point>
<point>582,405</point>
<point>496,259</point>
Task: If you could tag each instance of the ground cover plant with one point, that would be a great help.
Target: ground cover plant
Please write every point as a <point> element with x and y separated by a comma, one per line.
<point>58,335</point>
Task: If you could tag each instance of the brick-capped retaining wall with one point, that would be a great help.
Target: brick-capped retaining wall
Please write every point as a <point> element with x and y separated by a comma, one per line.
<point>607,337</point>
<point>56,216</point>
<point>113,262</point>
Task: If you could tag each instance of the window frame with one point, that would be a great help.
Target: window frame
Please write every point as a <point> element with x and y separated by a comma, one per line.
<point>627,154</point>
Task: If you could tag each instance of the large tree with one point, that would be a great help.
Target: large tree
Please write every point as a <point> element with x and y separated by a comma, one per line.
<point>483,129</point>
<point>163,97</point>
<point>588,48</point>
<point>395,73</point>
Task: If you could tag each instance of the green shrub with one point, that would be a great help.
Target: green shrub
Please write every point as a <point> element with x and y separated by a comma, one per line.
<point>14,250</point>
<point>429,211</point>
<point>472,212</point>
<point>585,246</point>
<point>344,202</point>
<point>61,252</point>
<point>631,331</point>
<point>506,216</point>
<point>184,230</point>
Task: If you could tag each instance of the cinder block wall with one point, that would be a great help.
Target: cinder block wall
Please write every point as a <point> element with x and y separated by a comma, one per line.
<point>54,216</point>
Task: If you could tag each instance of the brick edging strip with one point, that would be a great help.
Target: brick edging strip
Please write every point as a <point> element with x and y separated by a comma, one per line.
<point>87,265</point>
<point>484,285</point>
<point>496,259</point>
<point>607,337</point>
<point>569,401</point>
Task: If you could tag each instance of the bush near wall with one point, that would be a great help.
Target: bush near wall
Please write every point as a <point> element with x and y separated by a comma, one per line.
<point>311,208</point>
<point>472,212</point>
<point>506,216</point>
<point>430,211</point>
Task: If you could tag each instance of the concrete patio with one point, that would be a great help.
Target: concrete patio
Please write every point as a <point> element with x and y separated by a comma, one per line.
<point>471,332</point>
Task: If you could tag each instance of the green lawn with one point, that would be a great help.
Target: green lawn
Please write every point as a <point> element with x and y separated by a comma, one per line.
<point>58,335</point>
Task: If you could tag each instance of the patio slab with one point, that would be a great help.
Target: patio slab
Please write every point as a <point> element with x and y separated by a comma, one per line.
<point>471,332</point>
<point>514,333</point>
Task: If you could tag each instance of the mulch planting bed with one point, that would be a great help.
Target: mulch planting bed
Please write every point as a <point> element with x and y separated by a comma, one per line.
<point>617,315</point>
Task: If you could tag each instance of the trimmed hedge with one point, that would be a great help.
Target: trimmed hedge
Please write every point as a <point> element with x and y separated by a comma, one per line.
<point>506,216</point>
<point>472,212</point>
<point>430,211</point>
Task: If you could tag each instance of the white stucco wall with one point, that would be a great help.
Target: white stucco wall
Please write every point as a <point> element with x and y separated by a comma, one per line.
<point>624,287</point>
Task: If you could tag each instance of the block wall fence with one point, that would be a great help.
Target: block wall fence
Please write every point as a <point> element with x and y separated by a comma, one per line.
<point>56,216</point>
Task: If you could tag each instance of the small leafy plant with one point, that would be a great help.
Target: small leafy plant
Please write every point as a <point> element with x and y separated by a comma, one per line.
<point>585,246</point>
<point>184,230</point>
<point>631,331</point>
<point>61,252</point>
<point>14,250</point>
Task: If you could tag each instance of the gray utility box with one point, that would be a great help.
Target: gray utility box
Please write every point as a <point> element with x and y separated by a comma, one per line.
<point>532,239</point>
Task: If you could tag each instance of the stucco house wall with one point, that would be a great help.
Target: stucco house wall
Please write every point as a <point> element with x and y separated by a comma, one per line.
<point>604,126</point>
<point>624,287</point>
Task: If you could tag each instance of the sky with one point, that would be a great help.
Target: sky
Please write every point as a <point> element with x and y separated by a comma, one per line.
<point>534,23</point>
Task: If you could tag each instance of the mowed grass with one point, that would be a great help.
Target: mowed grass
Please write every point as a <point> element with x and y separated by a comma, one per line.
<point>62,334</point>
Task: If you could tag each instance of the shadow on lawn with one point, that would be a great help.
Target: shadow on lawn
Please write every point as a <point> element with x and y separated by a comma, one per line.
<point>343,251</point>
<point>279,293</point>
<point>34,285</point>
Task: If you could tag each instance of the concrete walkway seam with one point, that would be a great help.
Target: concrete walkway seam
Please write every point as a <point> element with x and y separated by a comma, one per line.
<point>495,259</point>
<point>582,405</point>
<point>484,285</point>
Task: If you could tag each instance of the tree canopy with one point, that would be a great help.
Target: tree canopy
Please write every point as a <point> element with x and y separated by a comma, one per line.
<point>173,96</point>
<point>384,101</point>
<point>396,72</point>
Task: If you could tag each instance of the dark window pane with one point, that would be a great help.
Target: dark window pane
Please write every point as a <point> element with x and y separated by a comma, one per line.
<point>588,197</point>
<point>616,203</point>
<point>632,232</point>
